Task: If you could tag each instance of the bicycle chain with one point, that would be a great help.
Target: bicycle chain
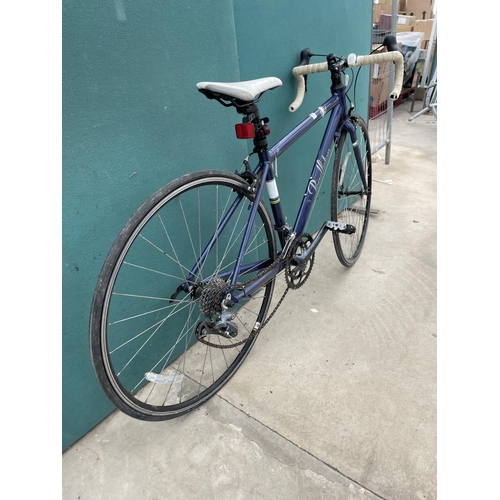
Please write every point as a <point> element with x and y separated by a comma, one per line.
<point>290,254</point>
<point>254,332</point>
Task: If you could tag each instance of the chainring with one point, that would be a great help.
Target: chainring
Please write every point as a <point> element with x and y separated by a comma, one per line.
<point>296,274</point>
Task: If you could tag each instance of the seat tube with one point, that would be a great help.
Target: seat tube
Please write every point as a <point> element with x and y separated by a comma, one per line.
<point>251,219</point>
<point>274,196</point>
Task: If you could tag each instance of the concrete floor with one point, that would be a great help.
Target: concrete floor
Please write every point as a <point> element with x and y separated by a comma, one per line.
<point>337,399</point>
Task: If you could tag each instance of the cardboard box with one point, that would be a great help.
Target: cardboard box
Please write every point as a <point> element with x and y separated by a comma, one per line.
<point>401,27</point>
<point>424,26</point>
<point>406,20</point>
<point>419,68</point>
<point>425,50</point>
<point>426,43</point>
<point>418,7</point>
<point>380,70</point>
<point>379,82</point>
<point>419,93</point>
<point>379,91</point>
<point>379,10</point>
<point>384,22</point>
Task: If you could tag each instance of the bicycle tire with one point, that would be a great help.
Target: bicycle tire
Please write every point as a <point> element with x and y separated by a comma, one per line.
<point>349,204</point>
<point>145,351</point>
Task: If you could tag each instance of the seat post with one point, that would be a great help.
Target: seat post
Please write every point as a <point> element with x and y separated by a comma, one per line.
<point>252,115</point>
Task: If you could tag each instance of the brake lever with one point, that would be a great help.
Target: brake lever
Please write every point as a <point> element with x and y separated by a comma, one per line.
<point>305,56</point>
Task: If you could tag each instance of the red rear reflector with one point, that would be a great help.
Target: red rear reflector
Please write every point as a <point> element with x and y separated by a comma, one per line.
<point>244,130</point>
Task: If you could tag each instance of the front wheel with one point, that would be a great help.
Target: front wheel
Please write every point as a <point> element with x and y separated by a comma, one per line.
<point>162,285</point>
<point>351,197</point>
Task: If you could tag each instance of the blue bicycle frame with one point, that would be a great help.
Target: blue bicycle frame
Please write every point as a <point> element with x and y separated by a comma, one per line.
<point>338,120</point>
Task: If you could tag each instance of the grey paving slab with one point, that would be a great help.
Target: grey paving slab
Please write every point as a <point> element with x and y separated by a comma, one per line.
<point>215,452</point>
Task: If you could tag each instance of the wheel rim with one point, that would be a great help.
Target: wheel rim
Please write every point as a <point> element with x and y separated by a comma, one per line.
<point>352,204</point>
<point>151,355</point>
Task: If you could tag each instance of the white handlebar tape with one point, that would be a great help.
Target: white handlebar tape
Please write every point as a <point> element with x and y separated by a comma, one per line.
<point>395,56</point>
<point>299,72</point>
<point>352,60</point>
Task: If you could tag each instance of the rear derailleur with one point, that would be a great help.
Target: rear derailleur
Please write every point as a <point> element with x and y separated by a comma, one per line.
<point>223,326</point>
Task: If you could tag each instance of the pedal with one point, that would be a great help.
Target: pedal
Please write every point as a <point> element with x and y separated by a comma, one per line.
<point>340,227</point>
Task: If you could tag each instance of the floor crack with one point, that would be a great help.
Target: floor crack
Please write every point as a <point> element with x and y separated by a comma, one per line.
<point>331,467</point>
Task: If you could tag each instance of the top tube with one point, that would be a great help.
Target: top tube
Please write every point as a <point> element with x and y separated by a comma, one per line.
<point>282,145</point>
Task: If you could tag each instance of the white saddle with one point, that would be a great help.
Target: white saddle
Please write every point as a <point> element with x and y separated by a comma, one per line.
<point>245,91</point>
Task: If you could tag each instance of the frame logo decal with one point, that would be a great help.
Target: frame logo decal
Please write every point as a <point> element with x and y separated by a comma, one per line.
<point>312,186</point>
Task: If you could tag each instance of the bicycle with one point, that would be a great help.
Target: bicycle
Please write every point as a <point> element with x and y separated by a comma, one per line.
<point>186,287</point>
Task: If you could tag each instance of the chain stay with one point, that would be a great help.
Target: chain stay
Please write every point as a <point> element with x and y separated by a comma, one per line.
<point>287,254</point>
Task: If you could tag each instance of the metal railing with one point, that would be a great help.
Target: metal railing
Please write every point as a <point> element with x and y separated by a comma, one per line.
<point>382,77</point>
<point>380,106</point>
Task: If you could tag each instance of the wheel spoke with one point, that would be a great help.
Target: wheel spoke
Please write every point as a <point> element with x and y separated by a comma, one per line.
<point>172,246</point>
<point>152,364</point>
<point>160,250</point>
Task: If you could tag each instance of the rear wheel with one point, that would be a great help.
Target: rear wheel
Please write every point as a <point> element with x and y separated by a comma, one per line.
<point>350,202</point>
<point>151,348</point>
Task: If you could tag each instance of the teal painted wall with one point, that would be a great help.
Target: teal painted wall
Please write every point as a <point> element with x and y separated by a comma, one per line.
<point>133,121</point>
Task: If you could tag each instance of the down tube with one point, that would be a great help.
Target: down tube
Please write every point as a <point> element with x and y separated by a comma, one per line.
<point>357,152</point>
<point>317,172</point>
